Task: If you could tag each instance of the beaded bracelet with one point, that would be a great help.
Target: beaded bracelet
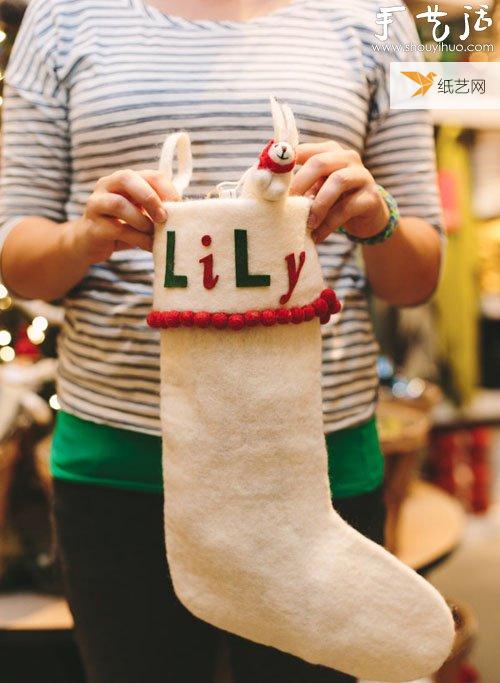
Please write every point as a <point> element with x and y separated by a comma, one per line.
<point>389,228</point>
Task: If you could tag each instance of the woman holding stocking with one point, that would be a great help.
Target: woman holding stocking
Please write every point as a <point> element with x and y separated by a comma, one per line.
<point>92,88</point>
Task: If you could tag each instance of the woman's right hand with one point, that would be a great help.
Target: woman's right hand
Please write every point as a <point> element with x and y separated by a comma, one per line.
<point>120,213</point>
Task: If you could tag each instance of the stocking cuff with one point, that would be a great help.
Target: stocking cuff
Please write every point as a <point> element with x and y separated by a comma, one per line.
<point>323,308</point>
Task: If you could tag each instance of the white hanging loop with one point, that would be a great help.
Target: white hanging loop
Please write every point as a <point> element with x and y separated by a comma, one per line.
<point>180,144</point>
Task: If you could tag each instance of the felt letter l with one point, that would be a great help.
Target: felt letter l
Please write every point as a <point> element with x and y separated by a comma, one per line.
<point>171,279</point>
<point>243,277</point>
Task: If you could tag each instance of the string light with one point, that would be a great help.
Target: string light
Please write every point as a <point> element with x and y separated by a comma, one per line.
<point>5,303</point>
<point>5,337</point>
<point>3,36</point>
<point>7,354</point>
<point>40,323</point>
<point>3,292</point>
<point>35,335</point>
<point>54,402</point>
<point>415,388</point>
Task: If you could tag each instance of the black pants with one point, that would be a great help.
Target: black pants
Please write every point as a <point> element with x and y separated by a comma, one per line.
<point>129,625</point>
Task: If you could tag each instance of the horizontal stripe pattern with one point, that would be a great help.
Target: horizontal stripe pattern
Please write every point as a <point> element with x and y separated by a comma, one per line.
<point>94,86</point>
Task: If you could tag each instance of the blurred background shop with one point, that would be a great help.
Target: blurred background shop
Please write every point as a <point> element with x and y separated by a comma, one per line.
<point>439,418</point>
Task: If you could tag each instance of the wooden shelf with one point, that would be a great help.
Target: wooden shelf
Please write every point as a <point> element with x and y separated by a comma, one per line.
<point>484,409</point>
<point>34,612</point>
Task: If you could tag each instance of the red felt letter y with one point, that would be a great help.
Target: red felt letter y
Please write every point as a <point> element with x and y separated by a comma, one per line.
<point>293,274</point>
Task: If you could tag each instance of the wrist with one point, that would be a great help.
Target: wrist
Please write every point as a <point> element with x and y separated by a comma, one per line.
<point>76,244</point>
<point>378,234</point>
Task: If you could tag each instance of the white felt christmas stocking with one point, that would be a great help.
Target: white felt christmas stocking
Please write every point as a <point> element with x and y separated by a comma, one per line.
<point>253,543</point>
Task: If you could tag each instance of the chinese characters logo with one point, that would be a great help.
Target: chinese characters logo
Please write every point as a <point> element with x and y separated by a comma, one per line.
<point>440,30</point>
<point>445,86</point>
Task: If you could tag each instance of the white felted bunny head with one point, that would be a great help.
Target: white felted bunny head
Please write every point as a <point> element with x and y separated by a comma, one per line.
<point>286,137</point>
<point>270,177</point>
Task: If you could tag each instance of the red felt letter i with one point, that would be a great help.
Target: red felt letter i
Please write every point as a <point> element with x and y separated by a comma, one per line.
<point>209,281</point>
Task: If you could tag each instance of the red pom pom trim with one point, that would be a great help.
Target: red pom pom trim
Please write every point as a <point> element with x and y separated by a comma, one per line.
<point>220,320</point>
<point>331,298</point>
<point>202,319</point>
<point>268,318</point>
<point>236,321</point>
<point>323,308</point>
<point>187,318</point>
<point>283,315</point>
<point>252,318</point>
<point>298,315</point>
<point>309,312</point>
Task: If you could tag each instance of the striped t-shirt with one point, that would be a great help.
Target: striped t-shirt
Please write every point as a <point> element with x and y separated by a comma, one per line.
<point>95,85</point>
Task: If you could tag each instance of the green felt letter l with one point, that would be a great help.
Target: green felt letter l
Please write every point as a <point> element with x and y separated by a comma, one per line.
<point>171,279</point>
<point>243,277</point>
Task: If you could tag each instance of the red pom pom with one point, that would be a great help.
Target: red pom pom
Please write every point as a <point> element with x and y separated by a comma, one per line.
<point>236,321</point>
<point>252,318</point>
<point>283,315</point>
<point>321,306</point>
<point>268,318</point>
<point>324,318</point>
<point>336,307</point>
<point>187,318</point>
<point>298,315</point>
<point>331,299</point>
<point>171,319</point>
<point>309,312</point>
<point>328,295</point>
<point>153,319</point>
<point>219,320</point>
<point>202,319</point>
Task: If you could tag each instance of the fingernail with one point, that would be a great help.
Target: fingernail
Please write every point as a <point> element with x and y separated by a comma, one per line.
<point>161,214</point>
<point>312,221</point>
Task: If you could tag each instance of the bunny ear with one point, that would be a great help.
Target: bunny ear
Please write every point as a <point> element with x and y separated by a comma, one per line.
<point>291,132</point>
<point>278,119</point>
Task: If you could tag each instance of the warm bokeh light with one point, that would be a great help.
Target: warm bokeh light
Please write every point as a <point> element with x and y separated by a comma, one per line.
<point>54,402</point>
<point>5,337</point>
<point>3,292</point>
<point>5,303</point>
<point>40,323</point>
<point>35,335</point>
<point>7,354</point>
<point>415,388</point>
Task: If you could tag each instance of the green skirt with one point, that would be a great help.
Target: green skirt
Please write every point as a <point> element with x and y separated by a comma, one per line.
<point>87,452</point>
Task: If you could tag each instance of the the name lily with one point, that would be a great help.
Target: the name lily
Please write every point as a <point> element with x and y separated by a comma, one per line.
<point>243,276</point>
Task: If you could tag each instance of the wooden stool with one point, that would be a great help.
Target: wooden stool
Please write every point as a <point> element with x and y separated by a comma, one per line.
<point>404,432</point>
<point>430,526</point>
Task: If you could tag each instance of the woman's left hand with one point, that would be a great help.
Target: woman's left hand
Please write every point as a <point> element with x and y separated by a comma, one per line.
<point>344,191</point>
